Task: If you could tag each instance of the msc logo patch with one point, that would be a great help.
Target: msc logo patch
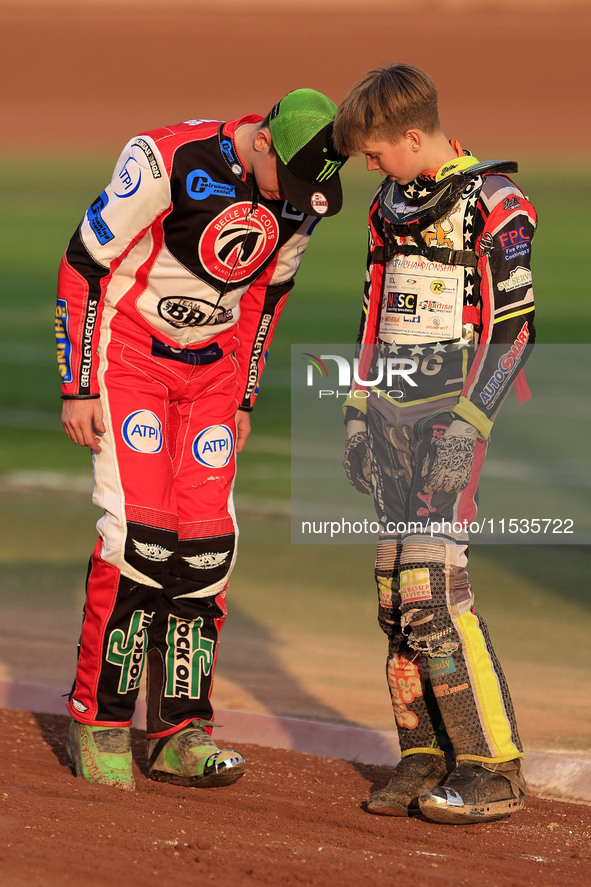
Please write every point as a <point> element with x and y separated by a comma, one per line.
<point>142,432</point>
<point>213,447</point>
<point>401,303</point>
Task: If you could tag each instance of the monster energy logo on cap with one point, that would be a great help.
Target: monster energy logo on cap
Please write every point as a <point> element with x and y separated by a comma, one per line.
<point>330,167</point>
<point>301,129</point>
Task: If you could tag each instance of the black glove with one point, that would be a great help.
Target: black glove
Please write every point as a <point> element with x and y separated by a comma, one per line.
<point>357,463</point>
<point>448,465</point>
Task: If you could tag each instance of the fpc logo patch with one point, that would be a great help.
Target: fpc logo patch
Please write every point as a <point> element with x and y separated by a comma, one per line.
<point>213,447</point>
<point>142,432</point>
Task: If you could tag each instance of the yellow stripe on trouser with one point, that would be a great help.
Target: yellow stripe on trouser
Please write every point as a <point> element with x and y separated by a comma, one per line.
<point>486,690</point>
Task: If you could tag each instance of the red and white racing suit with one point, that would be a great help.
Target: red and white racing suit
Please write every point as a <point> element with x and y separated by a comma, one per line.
<point>455,298</point>
<point>169,294</point>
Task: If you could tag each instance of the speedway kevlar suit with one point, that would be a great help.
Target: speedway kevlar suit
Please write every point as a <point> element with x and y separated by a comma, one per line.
<point>448,286</point>
<point>169,294</point>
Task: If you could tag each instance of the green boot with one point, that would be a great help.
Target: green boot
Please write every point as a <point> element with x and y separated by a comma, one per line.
<point>191,757</point>
<point>101,754</point>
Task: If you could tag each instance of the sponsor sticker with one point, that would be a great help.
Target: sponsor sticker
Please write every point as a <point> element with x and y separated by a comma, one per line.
<point>437,667</point>
<point>518,277</point>
<point>142,432</point>
<point>201,185</point>
<point>128,651</point>
<point>130,178</point>
<point>506,363</point>
<point>186,312</point>
<point>328,170</point>
<point>414,585</point>
<point>420,305</point>
<point>319,203</point>
<point>213,447</point>
<point>510,203</point>
<point>486,243</point>
<point>141,143</point>
<point>152,551</point>
<point>256,354</point>
<point>90,319</point>
<point>238,241</point>
<point>79,706</point>
<point>401,303</point>
<point>385,592</point>
<point>209,560</point>
<point>189,657</point>
<point>515,243</point>
<point>435,305</point>
<point>64,344</point>
<point>404,680</point>
<point>227,149</point>
<point>101,230</point>
<point>446,690</point>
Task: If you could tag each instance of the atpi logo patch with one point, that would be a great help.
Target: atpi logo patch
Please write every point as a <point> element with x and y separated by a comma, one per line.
<point>130,178</point>
<point>214,446</point>
<point>142,432</point>
<point>238,241</point>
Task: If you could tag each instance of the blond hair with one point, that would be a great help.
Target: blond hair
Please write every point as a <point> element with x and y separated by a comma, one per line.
<point>383,105</point>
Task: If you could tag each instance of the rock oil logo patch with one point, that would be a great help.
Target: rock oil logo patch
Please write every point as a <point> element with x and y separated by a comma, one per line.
<point>128,651</point>
<point>189,656</point>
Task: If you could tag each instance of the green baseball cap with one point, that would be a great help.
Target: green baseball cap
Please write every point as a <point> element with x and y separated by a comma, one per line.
<point>307,163</point>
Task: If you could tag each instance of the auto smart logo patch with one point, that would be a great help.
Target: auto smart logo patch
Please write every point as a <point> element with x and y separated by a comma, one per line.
<point>238,241</point>
<point>142,432</point>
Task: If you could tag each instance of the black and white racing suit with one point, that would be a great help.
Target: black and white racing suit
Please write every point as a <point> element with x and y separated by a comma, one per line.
<point>454,296</point>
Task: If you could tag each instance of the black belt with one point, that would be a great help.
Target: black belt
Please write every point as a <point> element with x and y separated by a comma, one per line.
<point>193,356</point>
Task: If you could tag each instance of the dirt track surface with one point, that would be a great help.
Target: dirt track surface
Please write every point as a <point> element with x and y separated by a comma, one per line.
<point>511,81</point>
<point>293,819</point>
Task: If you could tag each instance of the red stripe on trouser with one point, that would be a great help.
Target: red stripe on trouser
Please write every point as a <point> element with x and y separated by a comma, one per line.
<point>467,501</point>
<point>98,610</point>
